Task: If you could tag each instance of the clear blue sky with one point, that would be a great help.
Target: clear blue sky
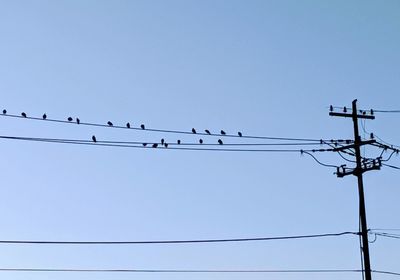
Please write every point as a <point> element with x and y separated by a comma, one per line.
<point>262,67</point>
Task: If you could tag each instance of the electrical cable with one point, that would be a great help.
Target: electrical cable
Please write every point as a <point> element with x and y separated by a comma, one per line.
<point>391,166</point>
<point>184,270</point>
<point>320,163</point>
<point>87,142</point>
<point>178,241</point>
<point>386,272</point>
<point>163,130</point>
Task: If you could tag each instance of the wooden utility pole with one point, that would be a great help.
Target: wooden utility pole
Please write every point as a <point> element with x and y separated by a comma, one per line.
<point>361,167</point>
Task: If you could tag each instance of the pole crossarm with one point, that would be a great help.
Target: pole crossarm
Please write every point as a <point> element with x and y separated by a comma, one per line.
<point>352,146</point>
<point>347,115</point>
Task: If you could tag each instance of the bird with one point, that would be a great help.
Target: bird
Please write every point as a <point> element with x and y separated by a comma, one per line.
<point>166,145</point>
<point>220,142</point>
<point>142,126</point>
<point>78,121</point>
<point>162,141</point>
<point>69,119</point>
<point>201,141</point>
<point>23,114</point>
<point>331,108</point>
<point>4,111</point>
<point>207,131</point>
<point>128,125</point>
<point>94,139</point>
<point>144,144</point>
<point>223,132</point>
<point>194,131</point>
<point>44,116</point>
<point>240,134</point>
<point>344,109</point>
<point>110,123</point>
<point>155,145</point>
<point>371,135</point>
<point>179,142</point>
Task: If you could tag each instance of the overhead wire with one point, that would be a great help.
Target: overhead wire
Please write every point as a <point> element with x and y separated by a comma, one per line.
<point>182,270</point>
<point>178,241</point>
<point>391,166</point>
<point>162,130</point>
<point>87,142</point>
<point>316,160</point>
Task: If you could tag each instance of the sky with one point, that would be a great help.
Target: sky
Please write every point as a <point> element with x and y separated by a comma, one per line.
<point>266,68</point>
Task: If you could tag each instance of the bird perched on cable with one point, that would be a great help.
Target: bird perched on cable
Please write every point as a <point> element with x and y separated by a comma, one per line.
<point>155,145</point>
<point>344,109</point>
<point>142,126</point>
<point>207,131</point>
<point>128,125</point>
<point>331,108</point>
<point>110,123</point>
<point>69,119</point>
<point>220,142</point>
<point>201,141</point>
<point>240,134</point>
<point>144,144</point>
<point>44,116</point>
<point>223,132</point>
<point>78,121</point>
<point>4,111</point>
<point>194,131</point>
<point>23,114</point>
<point>179,142</point>
<point>162,141</point>
<point>166,145</point>
<point>94,139</point>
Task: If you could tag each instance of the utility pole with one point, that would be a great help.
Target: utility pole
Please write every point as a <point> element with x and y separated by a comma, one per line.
<point>361,167</point>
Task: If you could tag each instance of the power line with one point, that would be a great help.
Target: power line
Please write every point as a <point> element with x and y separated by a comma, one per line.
<point>149,146</point>
<point>319,162</point>
<point>391,166</point>
<point>387,111</point>
<point>179,241</point>
<point>386,272</point>
<point>184,270</point>
<point>388,235</point>
<point>164,130</point>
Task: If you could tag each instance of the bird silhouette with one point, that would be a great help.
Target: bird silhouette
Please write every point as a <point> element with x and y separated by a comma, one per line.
<point>345,109</point>
<point>94,139</point>
<point>142,126</point>
<point>201,141</point>
<point>166,145</point>
<point>240,134</point>
<point>207,131</point>
<point>128,125</point>
<point>194,131</point>
<point>162,141</point>
<point>155,145</point>
<point>78,121</point>
<point>110,123</point>
<point>220,142</point>
<point>44,116</point>
<point>4,111</point>
<point>69,119</point>
<point>331,108</point>
<point>223,132</point>
<point>23,114</point>
<point>144,144</point>
<point>179,142</point>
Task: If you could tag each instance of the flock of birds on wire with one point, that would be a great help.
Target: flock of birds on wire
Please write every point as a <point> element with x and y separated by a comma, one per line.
<point>142,126</point>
